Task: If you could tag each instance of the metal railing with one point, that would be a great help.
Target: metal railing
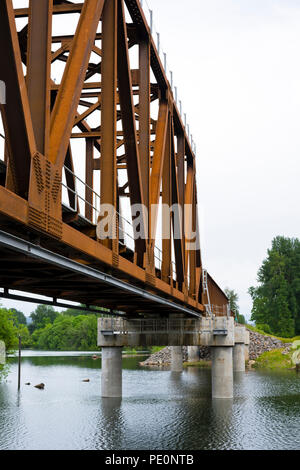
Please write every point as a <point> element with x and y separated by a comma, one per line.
<point>118,326</point>
<point>126,230</point>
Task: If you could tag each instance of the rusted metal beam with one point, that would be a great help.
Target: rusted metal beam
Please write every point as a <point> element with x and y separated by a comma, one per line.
<point>129,127</point>
<point>89,179</point>
<point>152,178</point>
<point>157,165</point>
<point>65,108</point>
<point>38,70</point>
<point>144,117</point>
<point>167,202</point>
<point>177,216</point>
<point>57,10</point>
<point>15,113</point>
<point>108,162</point>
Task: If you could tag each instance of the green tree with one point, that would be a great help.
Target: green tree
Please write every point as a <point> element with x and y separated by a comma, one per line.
<point>26,340</point>
<point>233,300</point>
<point>276,300</point>
<point>18,317</point>
<point>8,332</point>
<point>241,319</point>
<point>42,316</point>
<point>68,333</point>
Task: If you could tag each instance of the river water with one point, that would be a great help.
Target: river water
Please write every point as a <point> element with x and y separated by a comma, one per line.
<point>160,410</point>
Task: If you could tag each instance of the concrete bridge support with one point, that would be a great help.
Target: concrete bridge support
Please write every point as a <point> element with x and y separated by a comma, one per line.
<point>222,342</point>
<point>176,359</point>
<point>111,379</point>
<point>247,342</point>
<point>222,372</point>
<point>218,333</point>
<point>193,353</point>
<point>239,349</point>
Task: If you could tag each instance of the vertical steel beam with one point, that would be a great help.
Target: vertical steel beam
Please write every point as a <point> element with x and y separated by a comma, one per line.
<point>181,173</point>
<point>16,113</point>
<point>176,216</point>
<point>108,161</point>
<point>167,201</point>
<point>129,126</point>
<point>38,69</point>
<point>89,173</point>
<point>188,215</point>
<point>157,166</point>
<point>144,114</point>
<point>70,179</point>
<point>192,253</point>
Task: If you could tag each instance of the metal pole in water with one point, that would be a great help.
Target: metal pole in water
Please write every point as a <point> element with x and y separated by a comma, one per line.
<point>19,365</point>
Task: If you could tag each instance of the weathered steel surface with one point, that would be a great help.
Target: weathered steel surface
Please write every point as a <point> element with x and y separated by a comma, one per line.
<point>143,155</point>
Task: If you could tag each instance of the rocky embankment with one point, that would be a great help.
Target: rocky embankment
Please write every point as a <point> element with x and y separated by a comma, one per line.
<point>258,345</point>
<point>163,357</point>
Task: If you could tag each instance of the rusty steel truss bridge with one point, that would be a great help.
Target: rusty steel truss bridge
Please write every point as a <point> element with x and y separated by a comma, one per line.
<point>90,119</point>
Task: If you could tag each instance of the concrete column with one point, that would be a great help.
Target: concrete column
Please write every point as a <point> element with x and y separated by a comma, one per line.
<point>193,353</point>
<point>247,341</point>
<point>176,359</point>
<point>246,352</point>
<point>222,372</point>
<point>111,379</point>
<point>239,357</point>
<point>239,349</point>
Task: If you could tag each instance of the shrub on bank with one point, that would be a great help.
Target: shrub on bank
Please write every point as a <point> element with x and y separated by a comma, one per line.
<point>274,360</point>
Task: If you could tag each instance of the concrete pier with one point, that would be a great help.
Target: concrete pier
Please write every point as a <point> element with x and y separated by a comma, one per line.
<point>239,349</point>
<point>176,359</point>
<point>222,372</point>
<point>111,378</point>
<point>247,342</point>
<point>193,353</point>
<point>239,358</point>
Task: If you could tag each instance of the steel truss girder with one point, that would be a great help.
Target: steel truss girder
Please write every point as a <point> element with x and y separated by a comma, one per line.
<point>40,117</point>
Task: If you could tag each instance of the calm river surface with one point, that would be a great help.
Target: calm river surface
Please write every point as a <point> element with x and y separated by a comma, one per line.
<point>160,410</point>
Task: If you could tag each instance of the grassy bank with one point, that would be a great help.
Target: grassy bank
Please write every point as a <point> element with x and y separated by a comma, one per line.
<point>274,360</point>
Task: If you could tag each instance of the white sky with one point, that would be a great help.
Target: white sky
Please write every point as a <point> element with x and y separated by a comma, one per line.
<point>237,67</point>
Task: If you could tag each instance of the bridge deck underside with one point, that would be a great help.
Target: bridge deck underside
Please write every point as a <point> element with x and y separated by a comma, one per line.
<point>29,267</point>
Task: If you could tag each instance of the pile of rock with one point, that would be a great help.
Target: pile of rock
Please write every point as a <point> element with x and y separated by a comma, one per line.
<point>260,344</point>
<point>163,357</point>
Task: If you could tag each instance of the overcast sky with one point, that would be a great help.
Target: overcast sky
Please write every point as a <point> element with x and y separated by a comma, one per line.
<point>237,67</point>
